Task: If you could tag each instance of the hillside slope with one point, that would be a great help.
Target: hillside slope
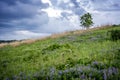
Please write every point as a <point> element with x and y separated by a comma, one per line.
<point>86,55</point>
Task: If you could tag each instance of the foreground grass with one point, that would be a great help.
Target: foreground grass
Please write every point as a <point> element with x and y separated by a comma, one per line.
<point>90,55</point>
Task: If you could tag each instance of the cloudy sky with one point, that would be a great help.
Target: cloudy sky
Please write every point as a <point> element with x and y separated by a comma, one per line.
<point>22,19</point>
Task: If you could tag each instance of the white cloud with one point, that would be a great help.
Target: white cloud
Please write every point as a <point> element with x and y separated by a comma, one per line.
<point>56,25</point>
<point>71,5</point>
<point>23,34</point>
<point>78,0</point>
<point>66,1</point>
<point>26,33</point>
<point>47,1</point>
<point>53,12</point>
<point>106,17</point>
<point>87,5</point>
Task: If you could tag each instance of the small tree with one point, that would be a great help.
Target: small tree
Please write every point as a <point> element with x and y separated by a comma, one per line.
<point>86,20</point>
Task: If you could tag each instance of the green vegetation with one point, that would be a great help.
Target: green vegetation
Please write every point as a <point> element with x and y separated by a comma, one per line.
<point>90,55</point>
<point>114,35</point>
<point>86,20</point>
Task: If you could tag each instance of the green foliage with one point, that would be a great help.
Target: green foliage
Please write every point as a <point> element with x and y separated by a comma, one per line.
<point>114,34</point>
<point>86,20</point>
<point>51,48</point>
<point>54,47</point>
<point>68,64</point>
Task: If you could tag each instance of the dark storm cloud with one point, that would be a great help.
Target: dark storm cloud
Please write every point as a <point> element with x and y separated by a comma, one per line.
<point>20,15</point>
<point>15,9</point>
<point>13,2</point>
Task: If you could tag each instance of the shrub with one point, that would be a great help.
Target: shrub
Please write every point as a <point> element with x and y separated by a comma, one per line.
<point>51,48</point>
<point>54,47</point>
<point>114,35</point>
<point>114,25</point>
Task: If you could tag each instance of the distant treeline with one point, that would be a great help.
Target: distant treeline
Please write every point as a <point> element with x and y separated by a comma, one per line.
<point>7,41</point>
<point>116,25</point>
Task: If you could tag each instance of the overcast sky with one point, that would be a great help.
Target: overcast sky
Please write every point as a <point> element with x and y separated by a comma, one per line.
<point>23,19</point>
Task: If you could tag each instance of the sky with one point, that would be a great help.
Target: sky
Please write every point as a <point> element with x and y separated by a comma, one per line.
<point>26,19</point>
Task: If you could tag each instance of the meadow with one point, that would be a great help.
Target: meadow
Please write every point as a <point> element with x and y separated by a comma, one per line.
<point>75,55</point>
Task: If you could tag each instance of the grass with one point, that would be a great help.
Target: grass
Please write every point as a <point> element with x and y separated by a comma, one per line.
<point>75,55</point>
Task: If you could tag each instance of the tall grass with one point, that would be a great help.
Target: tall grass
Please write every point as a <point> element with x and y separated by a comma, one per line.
<point>90,55</point>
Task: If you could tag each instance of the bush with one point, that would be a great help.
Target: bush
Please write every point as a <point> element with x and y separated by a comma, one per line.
<point>54,47</point>
<point>114,35</point>
<point>50,48</point>
<point>114,25</point>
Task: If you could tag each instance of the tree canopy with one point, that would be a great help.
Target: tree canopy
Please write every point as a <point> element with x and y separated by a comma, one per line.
<point>86,20</point>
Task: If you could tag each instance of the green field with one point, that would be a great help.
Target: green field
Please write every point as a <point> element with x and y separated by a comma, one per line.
<point>90,55</point>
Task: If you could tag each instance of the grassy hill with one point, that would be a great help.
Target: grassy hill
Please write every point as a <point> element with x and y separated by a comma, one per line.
<point>76,55</point>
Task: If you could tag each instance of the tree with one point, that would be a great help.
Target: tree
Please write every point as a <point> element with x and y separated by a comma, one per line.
<point>86,20</point>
